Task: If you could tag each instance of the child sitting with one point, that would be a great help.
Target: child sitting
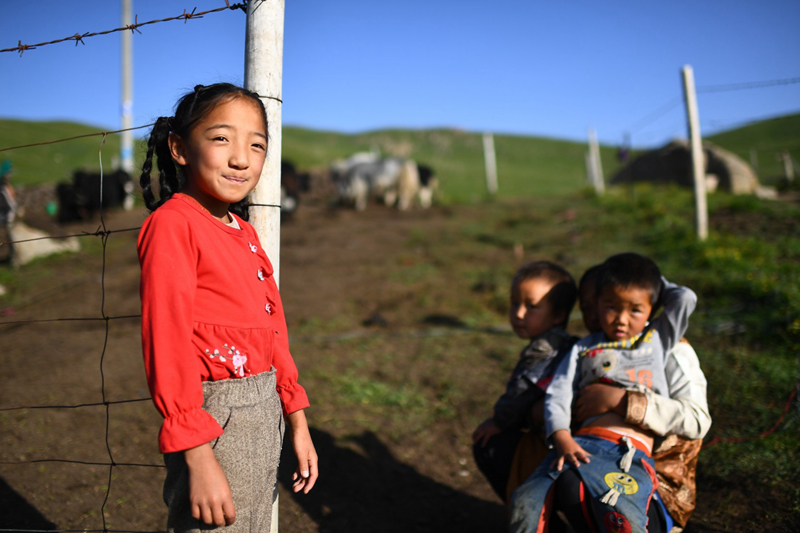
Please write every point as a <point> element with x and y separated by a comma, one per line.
<point>629,352</point>
<point>542,297</point>
<point>679,421</point>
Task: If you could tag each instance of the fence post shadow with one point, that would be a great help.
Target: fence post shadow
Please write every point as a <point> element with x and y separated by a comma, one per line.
<point>16,513</point>
<point>373,491</point>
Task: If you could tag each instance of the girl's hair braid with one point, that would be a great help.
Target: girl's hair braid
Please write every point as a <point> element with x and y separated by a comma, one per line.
<point>168,179</point>
<point>191,109</point>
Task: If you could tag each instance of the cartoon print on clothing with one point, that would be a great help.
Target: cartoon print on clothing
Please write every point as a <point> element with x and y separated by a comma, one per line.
<point>616,523</point>
<point>253,247</point>
<point>598,363</point>
<point>238,359</point>
<point>621,482</point>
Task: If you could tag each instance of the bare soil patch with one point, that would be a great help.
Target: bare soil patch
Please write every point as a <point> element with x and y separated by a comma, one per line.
<point>399,369</point>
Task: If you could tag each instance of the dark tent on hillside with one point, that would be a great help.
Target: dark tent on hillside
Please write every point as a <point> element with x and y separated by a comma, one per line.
<point>673,164</point>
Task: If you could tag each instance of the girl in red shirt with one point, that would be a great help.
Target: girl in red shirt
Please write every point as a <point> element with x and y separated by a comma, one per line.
<point>214,337</point>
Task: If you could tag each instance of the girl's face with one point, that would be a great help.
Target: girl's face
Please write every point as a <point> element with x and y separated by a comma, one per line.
<point>223,155</point>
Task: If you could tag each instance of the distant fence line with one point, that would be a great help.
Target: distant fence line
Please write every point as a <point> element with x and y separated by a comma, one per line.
<point>666,107</point>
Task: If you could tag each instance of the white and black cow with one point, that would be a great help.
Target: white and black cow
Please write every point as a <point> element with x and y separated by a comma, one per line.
<point>391,180</point>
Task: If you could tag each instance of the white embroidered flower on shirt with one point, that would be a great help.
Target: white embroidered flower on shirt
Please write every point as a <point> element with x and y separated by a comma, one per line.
<point>237,358</point>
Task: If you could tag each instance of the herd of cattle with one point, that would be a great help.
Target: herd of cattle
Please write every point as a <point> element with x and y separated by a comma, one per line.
<point>392,180</point>
<point>357,180</point>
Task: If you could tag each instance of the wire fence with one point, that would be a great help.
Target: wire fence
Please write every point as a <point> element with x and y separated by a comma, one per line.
<point>651,117</point>
<point>104,234</point>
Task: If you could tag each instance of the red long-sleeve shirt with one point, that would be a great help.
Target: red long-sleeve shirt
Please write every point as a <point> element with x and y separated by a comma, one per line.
<point>210,311</point>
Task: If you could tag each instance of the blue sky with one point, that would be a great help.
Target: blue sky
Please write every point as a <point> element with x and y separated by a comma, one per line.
<point>536,67</point>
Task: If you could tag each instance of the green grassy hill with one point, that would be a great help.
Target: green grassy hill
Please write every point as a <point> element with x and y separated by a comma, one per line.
<point>767,139</point>
<point>53,162</point>
<point>527,166</point>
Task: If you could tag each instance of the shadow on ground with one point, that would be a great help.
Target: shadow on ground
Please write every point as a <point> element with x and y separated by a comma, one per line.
<point>17,514</point>
<point>363,488</point>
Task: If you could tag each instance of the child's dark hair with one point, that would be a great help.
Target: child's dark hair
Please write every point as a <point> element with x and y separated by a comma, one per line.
<point>564,292</point>
<point>631,270</point>
<point>590,278</point>
<point>191,109</point>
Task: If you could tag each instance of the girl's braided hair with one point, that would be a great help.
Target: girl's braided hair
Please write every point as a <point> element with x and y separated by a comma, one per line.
<point>191,109</point>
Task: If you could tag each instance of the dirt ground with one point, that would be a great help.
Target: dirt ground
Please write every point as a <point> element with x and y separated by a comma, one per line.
<point>391,468</point>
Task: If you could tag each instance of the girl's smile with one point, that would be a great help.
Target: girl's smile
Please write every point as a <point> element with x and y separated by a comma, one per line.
<point>223,156</point>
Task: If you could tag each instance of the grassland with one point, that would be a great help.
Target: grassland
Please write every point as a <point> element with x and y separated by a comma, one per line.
<point>54,162</point>
<point>527,166</point>
<point>400,401</point>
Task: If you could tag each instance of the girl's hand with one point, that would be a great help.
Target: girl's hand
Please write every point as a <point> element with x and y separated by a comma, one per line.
<point>306,474</point>
<point>209,492</point>
<point>568,450</point>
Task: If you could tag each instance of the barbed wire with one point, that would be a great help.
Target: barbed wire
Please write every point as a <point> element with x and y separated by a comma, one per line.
<point>17,530</point>
<point>745,86</point>
<point>767,433</point>
<point>79,37</point>
<point>671,104</point>
<point>67,319</point>
<point>77,462</point>
<point>95,134</point>
<point>99,233</point>
<point>76,406</point>
<point>654,115</point>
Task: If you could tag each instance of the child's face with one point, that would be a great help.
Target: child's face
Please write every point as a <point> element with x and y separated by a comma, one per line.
<point>223,155</point>
<point>623,312</point>
<point>531,312</point>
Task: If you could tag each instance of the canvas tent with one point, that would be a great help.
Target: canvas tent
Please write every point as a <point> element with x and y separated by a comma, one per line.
<point>673,164</point>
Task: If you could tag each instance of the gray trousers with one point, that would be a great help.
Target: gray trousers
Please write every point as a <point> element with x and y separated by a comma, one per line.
<point>249,412</point>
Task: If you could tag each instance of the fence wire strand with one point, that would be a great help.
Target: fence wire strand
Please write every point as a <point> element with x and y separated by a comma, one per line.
<point>95,134</point>
<point>79,37</point>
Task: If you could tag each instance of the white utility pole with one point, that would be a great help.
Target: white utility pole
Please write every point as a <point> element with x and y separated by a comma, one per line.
<point>596,174</point>
<point>698,158</point>
<point>788,166</point>
<point>126,147</point>
<point>491,163</point>
<point>263,73</point>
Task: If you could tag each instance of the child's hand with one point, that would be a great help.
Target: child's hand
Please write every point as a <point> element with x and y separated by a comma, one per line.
<point>568,450</point>
<point>307,471</point>
<point>209,492</point>
<point>485,431</point>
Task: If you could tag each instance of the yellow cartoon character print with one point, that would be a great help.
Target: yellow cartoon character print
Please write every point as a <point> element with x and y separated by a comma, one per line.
<point>621,483</point>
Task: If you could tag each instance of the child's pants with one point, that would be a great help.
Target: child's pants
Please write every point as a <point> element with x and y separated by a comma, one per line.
<point>532,503</point>
<point>249,412</point>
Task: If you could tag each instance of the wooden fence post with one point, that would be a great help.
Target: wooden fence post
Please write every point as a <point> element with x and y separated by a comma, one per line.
<point>596,166</point>
<point>698,158</point>
<point>126,146</point>
<point>788,166</point>
<point>263,74</point>
<point>490,162</point>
